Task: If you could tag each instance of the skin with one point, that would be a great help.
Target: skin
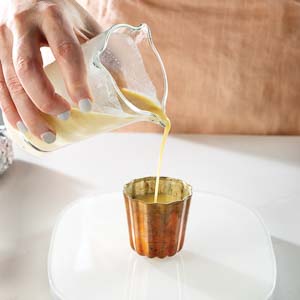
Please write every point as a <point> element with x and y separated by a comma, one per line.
<point>233,66</point>
<point>26,26</point>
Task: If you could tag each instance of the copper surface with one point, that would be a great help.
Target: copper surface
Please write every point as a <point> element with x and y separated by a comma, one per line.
<point>157,229</point>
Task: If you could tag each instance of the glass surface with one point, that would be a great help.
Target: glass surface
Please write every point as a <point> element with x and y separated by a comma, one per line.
<point>228,254</point>
<point>128,84</point>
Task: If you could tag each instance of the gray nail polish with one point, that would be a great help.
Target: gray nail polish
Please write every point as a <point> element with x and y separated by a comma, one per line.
<point>48,137</point>
<point>64,116</point>
<point>85,105</point>
<point>21,127</point>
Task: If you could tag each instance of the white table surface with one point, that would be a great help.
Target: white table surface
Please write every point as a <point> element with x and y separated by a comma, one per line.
<point>261,172</point>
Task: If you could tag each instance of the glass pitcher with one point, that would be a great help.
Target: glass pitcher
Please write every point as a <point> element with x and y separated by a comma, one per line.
<point>128,83</point>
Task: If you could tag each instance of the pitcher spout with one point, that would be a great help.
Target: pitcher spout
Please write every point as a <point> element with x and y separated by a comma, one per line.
<point>134,64</point>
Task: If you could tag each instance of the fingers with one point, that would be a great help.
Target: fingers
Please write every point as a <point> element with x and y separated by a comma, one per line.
<point>29,68</point>
<point>25,108</point>
<point>8,106</point>
<point>86,27</point>
<point>67,51</point>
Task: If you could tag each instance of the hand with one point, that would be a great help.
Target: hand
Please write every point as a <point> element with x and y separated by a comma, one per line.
<point>25,91</point>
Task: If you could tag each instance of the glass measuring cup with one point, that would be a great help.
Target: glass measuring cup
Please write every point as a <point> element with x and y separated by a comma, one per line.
<point>128,84</point>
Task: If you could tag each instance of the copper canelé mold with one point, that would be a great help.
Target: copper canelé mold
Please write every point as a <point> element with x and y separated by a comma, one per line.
<point>157,229</point>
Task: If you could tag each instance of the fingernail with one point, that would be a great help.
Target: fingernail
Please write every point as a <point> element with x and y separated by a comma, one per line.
<point>48,137</point>
<point>21,127</point>
<point>64,116</point>
<point>85,105</point>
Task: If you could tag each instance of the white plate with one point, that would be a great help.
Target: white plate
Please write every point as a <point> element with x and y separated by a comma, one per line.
<point>227,255</point>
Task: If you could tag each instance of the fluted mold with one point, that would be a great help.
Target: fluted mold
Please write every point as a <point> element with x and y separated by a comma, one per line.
<point>157,229</point>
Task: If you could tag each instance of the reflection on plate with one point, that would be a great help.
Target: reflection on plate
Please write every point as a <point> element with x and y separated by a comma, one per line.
<point>227,255</point>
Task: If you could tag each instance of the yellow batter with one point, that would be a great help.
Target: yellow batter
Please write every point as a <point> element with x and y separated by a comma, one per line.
<point>162,198</point>
<point>83,125</point>
<point>148,105</point>
<point>78,127</point>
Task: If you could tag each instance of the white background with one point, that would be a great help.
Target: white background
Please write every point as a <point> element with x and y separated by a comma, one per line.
<point>261,172</point>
